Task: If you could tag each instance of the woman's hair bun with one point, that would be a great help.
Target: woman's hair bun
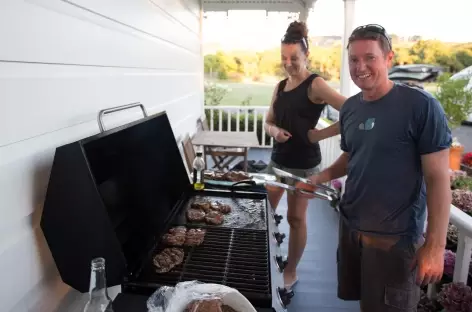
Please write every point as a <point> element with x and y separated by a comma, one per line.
<point>297,29</point>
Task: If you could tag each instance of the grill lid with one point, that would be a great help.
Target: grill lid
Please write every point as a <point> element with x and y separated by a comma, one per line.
<point>110,196</point>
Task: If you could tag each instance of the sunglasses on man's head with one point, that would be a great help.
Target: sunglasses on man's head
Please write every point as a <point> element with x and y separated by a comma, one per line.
<point>371,28</point>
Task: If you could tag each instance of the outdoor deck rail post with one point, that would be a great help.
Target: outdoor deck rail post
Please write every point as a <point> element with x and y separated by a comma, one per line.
<point>347,85</point>
<point>462,264</point>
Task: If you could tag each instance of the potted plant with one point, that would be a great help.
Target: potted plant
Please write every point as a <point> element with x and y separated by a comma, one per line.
<point>455,297</point>
<point>455,97</point>
<point>455,155</point>
<point>466,164</point>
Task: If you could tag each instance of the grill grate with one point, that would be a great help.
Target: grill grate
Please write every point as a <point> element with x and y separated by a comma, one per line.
<point>237,258</point>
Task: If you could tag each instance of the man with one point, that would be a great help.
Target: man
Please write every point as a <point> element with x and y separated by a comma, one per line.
<point>395,141</point>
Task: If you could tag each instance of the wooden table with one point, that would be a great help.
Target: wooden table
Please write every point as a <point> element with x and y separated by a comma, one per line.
<point>224,146</point>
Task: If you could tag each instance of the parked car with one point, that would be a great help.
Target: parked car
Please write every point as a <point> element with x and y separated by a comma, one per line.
<point>466,73</point>
<point>415,74</point>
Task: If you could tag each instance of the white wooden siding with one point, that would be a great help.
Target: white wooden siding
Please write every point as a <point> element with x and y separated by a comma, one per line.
<point>60,63</point>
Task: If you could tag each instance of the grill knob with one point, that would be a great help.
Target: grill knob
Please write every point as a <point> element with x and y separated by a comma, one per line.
<point>285,296</point>
<point>279,237</point>
<point>281,263</point>
<point>277,219</point>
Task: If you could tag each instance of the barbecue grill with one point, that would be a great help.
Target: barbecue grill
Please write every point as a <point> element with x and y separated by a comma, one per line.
<point>115,195</point>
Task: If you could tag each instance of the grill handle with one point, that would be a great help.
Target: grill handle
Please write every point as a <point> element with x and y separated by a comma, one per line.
<point>110,110</point>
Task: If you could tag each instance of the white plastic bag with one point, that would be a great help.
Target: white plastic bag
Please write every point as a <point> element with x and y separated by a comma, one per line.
<point>177,299</point>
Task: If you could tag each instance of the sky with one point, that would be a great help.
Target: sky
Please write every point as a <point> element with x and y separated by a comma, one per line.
<point>446,20</point>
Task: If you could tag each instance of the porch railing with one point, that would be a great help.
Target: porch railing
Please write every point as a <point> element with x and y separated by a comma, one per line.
<point>252,119</point>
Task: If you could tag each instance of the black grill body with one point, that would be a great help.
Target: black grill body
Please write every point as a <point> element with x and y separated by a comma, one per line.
<point>115,195</point>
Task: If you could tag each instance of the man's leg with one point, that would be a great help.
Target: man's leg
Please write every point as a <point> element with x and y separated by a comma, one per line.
<point>388,280</point>
<point>348,263</point>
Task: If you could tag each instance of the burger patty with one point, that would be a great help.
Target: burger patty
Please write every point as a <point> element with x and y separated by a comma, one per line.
<point>175,237</point>
<point>214,217</point>
<point>168,259</point>
<point>195,237</point>
<point>220,207</point>
<point>195,215</point>
<point>203,205</point>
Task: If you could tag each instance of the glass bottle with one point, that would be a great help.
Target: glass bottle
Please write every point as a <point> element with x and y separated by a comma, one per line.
<point>198,168</point>
<point>99,301</point>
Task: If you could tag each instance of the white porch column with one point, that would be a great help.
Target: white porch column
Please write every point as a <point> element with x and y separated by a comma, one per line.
<point>304,13</point>
<point>348,87</point>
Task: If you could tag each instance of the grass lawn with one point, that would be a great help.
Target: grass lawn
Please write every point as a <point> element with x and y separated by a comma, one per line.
<point>261,93</point>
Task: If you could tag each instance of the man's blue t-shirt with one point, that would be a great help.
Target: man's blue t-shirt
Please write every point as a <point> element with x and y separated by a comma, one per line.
<point>385,192</point>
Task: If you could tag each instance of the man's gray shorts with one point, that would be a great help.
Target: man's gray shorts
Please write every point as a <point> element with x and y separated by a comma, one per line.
<point>377,271</point>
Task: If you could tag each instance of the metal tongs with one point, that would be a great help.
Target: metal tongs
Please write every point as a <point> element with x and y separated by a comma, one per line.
<point>331,196</point>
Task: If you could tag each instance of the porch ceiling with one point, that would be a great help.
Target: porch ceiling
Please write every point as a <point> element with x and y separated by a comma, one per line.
<point>268,5</point>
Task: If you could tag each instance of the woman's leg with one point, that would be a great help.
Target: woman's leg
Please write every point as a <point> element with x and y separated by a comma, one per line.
<point>296,217</point>
<point>274,195</point>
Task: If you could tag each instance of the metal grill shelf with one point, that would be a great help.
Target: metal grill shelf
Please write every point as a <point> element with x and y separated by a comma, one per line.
<point>237,258</point>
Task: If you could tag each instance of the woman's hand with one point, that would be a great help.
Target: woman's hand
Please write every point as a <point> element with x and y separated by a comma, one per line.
<point>281,135</point>
<point>314,135</point>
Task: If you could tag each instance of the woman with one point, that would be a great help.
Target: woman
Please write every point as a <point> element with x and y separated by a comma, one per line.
<point>297,103</point>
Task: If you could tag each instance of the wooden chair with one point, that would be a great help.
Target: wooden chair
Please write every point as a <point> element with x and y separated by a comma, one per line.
<point>222,156</point>
<point>189,152</point>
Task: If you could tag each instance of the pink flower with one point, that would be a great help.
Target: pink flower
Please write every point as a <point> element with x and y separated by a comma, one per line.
<point>449,262</point>
<point>337,184</point>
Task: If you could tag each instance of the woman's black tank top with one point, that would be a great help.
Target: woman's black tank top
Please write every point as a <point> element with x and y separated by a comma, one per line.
<point>297,114</point>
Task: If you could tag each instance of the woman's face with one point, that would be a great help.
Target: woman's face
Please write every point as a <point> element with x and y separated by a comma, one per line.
<point>293,58</point>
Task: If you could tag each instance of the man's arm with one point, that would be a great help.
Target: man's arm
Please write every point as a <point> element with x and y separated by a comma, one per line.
<point>438,191</point>
<point>433,140</point>
<point>337,170</point>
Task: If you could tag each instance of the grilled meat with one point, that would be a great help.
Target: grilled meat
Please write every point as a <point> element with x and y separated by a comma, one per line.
<point>214,217</point>
<point>203,205</point>
<point>168,259</point>
<point>214,175</point>
<point>236,176</point>
<point>195,215</point>
<point>195,237</point>
<point>175,236</point>
<point>230,176</point>
<point>228,309</point>
<point>220,207</point>
<point>209,305</point>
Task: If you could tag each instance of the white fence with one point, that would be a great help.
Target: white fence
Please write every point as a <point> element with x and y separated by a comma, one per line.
<point>243,118</point>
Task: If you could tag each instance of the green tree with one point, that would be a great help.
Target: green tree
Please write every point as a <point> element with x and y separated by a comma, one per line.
<point>455,98</point>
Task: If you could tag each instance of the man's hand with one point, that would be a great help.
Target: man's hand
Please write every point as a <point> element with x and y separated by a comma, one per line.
<point>430,263</point>
<point>311,188</point>
<point>282,135</point>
